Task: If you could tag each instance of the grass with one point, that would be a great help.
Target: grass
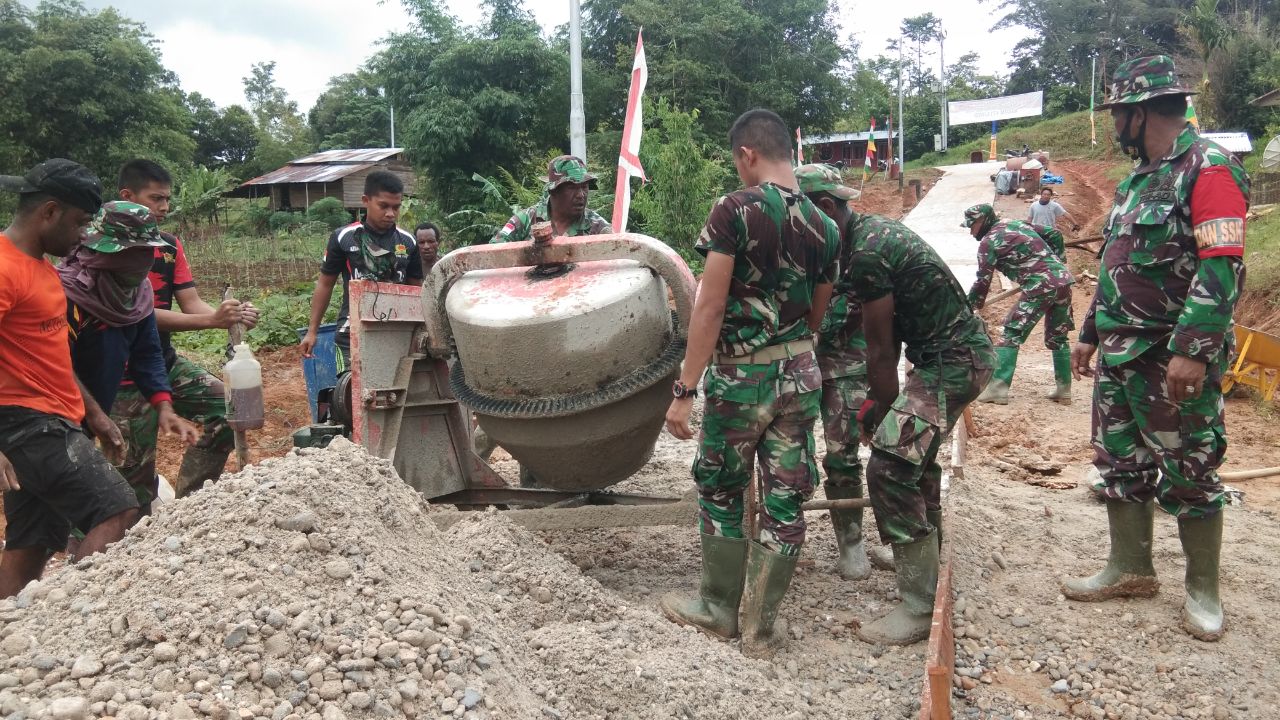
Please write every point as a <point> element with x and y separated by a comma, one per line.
<point>1066,136</point>
<point>1262,254</point>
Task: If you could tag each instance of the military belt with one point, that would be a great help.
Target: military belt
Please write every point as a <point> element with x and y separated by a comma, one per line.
<point>772,353</point>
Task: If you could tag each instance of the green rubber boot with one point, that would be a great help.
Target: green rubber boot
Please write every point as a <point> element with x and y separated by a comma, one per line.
<point>715,609</point>
<point>1202,544</point>
<point>1061,376</point>
<point>1129,572</point>
<point>935,519</point>
<point>852,563</point>
<point>199,465</point>
<point>909,622</point>
<point>768,577</point>
<point>997,391</point>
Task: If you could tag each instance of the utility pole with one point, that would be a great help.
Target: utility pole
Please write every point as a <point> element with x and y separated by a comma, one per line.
<point>942,63</point>
<point>393,122</point>
<point>577,118</point>
<point>901,158</point>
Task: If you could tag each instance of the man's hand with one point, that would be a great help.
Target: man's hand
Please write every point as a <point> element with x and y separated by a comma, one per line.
<point>308,344</point>
<point>1185,378</point>
<point>678,418</point>
<point>248,315</point>
<point>108,433</point>
<point>8,477</point>
<point>1081,360</point>
<point>171,424</point>
<point>229,313</point>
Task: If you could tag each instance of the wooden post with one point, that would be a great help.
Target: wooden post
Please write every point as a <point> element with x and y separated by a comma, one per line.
<point>235,335</point>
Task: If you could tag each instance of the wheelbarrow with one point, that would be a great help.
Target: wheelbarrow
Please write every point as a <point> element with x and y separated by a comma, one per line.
<point>1257,362</point>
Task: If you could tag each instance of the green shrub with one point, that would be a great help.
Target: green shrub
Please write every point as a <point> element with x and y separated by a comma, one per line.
<point>256,220</point>
<point>328,212</point>
<point>283,220</point>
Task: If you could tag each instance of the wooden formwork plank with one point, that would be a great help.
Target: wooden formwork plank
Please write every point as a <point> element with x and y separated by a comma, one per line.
<point>940,658</point>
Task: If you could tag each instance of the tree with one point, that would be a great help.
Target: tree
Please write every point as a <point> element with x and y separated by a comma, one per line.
<point>224,138</point>
<point>476,99</point>
<point>1056,56</point>
<point>88,86</point>
<point>723,57</point>
<point>919,30</point>
<point>282,132</point>
<point>352,113</point>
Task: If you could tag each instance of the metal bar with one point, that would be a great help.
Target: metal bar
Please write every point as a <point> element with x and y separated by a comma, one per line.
<point>540,497</point>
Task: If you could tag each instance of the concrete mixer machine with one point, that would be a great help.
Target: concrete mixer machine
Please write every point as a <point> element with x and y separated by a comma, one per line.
<point>564,349</point>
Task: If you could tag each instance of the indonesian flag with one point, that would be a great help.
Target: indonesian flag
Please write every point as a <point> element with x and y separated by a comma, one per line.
<point>799,148</point>
<point>629,157</point>
<point>870,164</point>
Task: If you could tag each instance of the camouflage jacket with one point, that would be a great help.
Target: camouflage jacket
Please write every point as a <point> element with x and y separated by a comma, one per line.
<point>1054,239</point>
<point>1013,248</point>
<point>783,248</point>
<point>931,315</point>
<point>520,226</point>
<point>842,348</point>
<point>1163,281</point>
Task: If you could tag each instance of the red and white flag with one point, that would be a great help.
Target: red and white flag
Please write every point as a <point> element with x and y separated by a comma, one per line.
<point>629,158</point>
<point>799,149</point>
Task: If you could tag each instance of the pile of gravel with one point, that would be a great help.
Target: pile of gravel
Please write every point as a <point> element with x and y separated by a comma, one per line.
<point>313,586</point>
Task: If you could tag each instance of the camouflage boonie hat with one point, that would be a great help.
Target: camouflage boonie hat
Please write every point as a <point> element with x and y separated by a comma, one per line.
<point>568,169</point>
<point>1142,79</point>
<point>982,214</point>
<point>817,177</point>
<point>121,225</point>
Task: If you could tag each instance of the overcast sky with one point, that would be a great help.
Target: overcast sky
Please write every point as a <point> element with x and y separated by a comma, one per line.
<point>211,44</point>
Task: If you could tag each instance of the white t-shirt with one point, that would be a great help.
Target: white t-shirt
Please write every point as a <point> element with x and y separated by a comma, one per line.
<point>1046,214</point>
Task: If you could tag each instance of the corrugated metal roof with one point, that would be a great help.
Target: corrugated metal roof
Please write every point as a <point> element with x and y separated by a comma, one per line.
<point>845,137</point>
<point>363,155</point>
<point>1271,99</point>
<point>1236,142</point>
<point>307,174</point>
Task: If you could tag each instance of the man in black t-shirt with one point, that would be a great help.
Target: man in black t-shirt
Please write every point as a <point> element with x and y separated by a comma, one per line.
<point>371,250</point>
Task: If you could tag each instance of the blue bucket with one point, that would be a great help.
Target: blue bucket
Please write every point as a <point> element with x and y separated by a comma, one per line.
<point>320,371</point>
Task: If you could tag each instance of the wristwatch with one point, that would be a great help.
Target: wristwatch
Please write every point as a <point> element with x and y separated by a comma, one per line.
<point>682,391</point>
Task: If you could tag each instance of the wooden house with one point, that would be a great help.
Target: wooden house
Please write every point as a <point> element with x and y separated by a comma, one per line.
<point>332,173</point>
<point>848,149</point>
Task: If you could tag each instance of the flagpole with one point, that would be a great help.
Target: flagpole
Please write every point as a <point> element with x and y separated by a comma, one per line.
<point>632,128</point>
<point>1093,75</point>
<point>902,160</point>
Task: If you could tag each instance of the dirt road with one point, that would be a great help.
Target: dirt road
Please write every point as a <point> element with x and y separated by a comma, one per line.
<point>1024,651</point>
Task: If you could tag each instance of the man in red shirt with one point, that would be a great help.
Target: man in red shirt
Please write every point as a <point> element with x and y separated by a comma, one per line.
<point>197,395</point>
<point>53,476</point>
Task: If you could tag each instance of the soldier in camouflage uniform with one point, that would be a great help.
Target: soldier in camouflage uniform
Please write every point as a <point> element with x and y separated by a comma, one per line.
<point>842,357</point>
<point>1054,239</point>
<point>771,261</point>
<point>563,204</point>
<point>910,297</point>
<point>1172,270</point>
<point>1015,249</point>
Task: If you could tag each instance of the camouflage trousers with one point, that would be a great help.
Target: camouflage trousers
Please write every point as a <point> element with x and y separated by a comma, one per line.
<point>1146,446</point>
<point>904,478</point>
<point>842,397</point>
<point>197,396</point>
<point>1054,306</point>
<point>759,412</point>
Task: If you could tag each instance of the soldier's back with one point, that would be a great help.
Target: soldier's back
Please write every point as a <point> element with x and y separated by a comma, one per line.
<point>783,248</point>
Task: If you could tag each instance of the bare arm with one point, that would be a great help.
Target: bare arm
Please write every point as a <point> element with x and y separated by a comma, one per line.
<point>199,315</point>
<point>101,425</point>
<point>882,352</point>
<point>704,332</point>
<point>821,299</point>
<point>319,303</point>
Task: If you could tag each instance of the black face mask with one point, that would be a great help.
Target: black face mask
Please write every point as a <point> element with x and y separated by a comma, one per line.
<point>1133,145</point>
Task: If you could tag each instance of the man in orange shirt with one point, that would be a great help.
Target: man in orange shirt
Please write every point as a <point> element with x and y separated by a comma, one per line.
<point>53,476</point>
